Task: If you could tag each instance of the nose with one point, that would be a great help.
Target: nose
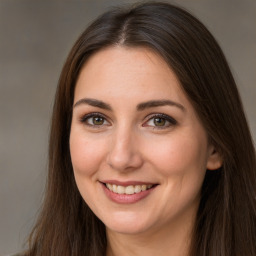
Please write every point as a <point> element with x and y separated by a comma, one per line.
<point>124,154</point>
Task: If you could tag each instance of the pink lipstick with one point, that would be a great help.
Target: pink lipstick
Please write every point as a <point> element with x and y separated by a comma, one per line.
<point>127,192</point>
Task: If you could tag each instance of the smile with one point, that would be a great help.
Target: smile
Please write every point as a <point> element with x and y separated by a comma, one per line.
<point>128,190</point>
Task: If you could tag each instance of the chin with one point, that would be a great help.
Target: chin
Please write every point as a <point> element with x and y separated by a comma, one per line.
<point>127,223</point>
<point>129,229</point>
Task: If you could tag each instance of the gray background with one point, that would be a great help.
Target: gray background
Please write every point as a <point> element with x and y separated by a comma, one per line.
<point>35,37</point>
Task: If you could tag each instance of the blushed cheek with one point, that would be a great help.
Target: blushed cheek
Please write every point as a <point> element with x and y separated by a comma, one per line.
<point>178,156</point>
<point>85,156</point>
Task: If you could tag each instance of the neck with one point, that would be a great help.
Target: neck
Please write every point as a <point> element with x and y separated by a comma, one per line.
<point>173,239</point>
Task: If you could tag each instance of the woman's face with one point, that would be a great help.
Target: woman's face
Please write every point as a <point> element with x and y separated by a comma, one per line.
<point>138,149</point>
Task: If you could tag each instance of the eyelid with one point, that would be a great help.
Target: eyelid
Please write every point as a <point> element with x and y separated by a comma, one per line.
<point>171,120</point>
<point>85,117</point>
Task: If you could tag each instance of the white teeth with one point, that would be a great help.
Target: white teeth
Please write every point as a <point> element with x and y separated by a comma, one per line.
<point>129,190</point>
<point>109,186</point>
<point>120,190</point>
<point>143,187</point>
<point>137,189</point>
<point>114,188</point>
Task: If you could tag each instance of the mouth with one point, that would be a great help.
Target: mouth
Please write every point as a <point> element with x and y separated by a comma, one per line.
<point>128,190</point>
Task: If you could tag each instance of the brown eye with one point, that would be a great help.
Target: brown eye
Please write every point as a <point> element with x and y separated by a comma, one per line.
<point>98,120</point>
<point>94,120</point>
<point>158,121</point>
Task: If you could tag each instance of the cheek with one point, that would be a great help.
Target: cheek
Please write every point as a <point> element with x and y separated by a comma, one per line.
<point>179,154</point>
<point>86,154</point>
<point>181,163</point>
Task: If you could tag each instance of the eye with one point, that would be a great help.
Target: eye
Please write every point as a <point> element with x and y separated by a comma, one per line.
<point>94,119</point>
<point>160,121</point>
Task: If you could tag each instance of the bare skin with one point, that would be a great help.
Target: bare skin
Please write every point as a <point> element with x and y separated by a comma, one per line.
<point>134,127</point>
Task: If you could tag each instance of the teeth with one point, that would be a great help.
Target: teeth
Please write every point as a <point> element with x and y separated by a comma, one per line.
<point>137,189</point>
<point>129,190</point>
<point>114,188</point>
<point>120,190</point>
<point>143,187</point>
<point>109,186</point>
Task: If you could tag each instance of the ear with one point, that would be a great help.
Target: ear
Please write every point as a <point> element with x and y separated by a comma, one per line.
<point>214,160</point>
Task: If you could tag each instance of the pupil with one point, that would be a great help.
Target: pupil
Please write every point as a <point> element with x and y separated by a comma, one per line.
<point>98,120</point>
<point>159,121</point>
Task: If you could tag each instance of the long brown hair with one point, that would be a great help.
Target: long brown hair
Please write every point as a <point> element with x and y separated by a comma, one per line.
<point>226,219</point>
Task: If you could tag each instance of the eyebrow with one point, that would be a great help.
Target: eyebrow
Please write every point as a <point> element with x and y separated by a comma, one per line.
<point>140,107</point>
<point>94,103</point>
<point>158,103</point>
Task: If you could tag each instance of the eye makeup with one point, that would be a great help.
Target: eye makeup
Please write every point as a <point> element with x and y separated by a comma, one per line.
<point>159,121</point>
<point>94,120</point>
<point>155,120</point>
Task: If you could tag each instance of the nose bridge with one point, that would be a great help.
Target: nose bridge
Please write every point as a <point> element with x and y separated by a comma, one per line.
<point>124,151</point>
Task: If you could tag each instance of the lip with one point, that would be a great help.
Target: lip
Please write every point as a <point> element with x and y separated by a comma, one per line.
<point>124,198</point>
<point>127,183</point>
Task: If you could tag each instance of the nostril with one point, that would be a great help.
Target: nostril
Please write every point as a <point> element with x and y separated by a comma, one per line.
<point>125,162</point>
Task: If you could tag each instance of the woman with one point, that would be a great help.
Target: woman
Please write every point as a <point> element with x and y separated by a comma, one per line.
<point>150,152</point>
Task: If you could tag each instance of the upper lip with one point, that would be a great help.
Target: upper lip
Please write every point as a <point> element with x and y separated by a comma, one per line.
<point>127,183</point>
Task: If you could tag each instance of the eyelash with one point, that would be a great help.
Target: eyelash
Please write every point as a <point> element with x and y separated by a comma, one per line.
<point>166,118</point>
<point>86,117</point>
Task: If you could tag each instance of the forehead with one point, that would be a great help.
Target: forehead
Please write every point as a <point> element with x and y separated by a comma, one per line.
<point>125,71</point>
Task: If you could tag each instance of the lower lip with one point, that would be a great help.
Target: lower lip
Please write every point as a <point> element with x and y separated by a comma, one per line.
<point>124,198</point>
